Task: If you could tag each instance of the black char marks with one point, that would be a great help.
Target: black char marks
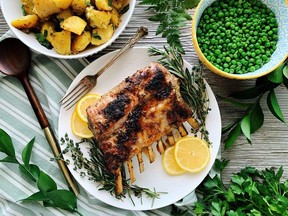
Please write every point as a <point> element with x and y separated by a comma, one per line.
<point>159,86</point>
<point>116,109</point>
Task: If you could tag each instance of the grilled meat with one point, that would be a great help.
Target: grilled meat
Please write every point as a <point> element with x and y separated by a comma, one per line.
<point>135,113</point>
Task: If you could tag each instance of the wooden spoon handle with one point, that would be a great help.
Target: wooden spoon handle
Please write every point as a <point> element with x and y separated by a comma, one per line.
<point>39,112</point>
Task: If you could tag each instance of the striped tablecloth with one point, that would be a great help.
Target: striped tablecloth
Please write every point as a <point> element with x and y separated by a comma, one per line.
<point>50,79</point>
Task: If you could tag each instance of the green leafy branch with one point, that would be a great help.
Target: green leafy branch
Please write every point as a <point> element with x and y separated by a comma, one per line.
<point>48,192</point>
<point>251,192</point>
<point>171,15</point>
<point>94,169</point>
<point>253,118</point>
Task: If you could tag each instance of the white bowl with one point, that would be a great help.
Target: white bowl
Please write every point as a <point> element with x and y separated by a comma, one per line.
<point>280,8</point>
<point>12,10</point>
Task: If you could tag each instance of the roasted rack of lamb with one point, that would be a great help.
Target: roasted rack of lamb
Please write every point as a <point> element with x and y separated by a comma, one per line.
<point>134,114</point>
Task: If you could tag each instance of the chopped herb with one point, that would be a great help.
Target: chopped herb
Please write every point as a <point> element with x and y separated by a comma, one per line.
<point>96,36</point>
<point>124,9</point>
<point>88,3</point>
<point>42,39</point>
<point>110,3</point>
<point>23,10</point>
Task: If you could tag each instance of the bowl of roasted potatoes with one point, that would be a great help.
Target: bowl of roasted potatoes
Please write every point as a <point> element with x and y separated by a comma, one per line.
<point>67,28</point>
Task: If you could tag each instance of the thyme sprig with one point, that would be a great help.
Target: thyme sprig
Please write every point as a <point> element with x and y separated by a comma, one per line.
<point>192,84</point>
<point>94,169</point>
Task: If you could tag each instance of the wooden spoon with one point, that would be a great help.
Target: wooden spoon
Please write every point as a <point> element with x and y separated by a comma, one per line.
<point>15,59</point>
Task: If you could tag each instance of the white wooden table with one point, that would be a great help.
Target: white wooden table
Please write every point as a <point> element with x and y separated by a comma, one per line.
<point>269,144</point>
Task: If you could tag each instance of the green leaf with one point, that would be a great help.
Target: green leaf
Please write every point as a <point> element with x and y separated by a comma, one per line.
<point>232,136</point>
<point>199,208</point>
<point>6,145</point>
<point>220,165</point>
<point>285,71</point>
<point>26,153</point>
<point>63,199</point>
<point>9,159</point>
<point>34,171</point>
<point>285,82</point>
<point>250,93</point>
<point>277,75</point>
<point>38,196</point>
<point>25,170</point>
<point>274,106</point>
<point>189,4</point>
<point>45,183</point>
<point>235,103</point>
<point>229,195</point>
<point>124,9</point>
<point>256,117</point>
<point>246,127</point>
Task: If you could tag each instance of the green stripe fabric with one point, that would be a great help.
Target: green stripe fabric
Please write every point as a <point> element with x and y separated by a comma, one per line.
<point>50,79</point>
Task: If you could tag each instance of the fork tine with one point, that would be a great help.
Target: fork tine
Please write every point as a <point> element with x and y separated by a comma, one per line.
<point>76,98</point>
<point>71,93</point>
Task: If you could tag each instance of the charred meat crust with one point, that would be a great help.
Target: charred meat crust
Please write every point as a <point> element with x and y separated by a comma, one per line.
<point>135,113</point>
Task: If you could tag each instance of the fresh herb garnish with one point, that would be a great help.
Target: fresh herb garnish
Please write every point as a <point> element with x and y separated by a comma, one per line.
<point>48,192</point>
<point>124,9</point>
<point>110,3</point>
<point>253,118</point>
<point>94,169</point>
<point>88,3</point>
<point>171,15</point>
<point>42,39</point>
<point>192,84</point>
<point>96,36</point>
<point>251,192</point>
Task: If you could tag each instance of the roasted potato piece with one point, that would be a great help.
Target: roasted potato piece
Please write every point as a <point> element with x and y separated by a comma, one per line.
<point>115,17</point>
<point>47,29</point>
<point>80,42</point>
<point>74,24</point>
<point>28,6</point>
<point>64,14</point>
<point>103,5</point>
<point>101,36</point>
<point>25,22</point>
<point>61,42</point>
<point>62,4</point>
<point>45,8</point>
<point>97,18</point>
<point>78,6</point>
<point>117,4</point>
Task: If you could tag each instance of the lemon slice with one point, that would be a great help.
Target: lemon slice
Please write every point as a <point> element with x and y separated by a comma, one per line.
<point>192,154</point>
<point>84,103</point>
<point>169,163</point>
<point>79,127</point>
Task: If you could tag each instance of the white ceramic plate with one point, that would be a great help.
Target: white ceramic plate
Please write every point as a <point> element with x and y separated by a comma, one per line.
<point>154,175</point>
<point>12,9</point>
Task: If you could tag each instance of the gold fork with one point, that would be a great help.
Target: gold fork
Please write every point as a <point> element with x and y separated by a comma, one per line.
<point>88,82</point>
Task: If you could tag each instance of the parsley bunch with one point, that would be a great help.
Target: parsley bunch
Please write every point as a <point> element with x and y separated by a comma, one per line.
<point>171,15</point>
<point>251,192</point>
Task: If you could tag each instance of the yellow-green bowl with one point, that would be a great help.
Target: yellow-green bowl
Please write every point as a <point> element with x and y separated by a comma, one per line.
<point>280,8</point>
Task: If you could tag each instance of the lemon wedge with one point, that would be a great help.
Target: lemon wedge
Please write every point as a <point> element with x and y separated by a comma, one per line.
<point>169,163</point>
<point>192,154</point>
<point>84,103</point>
<point>79,127</point>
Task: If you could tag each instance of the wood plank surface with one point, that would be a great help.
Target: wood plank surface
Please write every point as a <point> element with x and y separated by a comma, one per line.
<point>269,144</point>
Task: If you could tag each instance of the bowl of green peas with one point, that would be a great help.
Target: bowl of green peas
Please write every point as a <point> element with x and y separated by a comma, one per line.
<point>241,39</point>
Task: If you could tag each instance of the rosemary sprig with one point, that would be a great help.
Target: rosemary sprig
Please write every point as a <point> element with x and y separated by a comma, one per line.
<point>94,169</point>
<point>192,84</point>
